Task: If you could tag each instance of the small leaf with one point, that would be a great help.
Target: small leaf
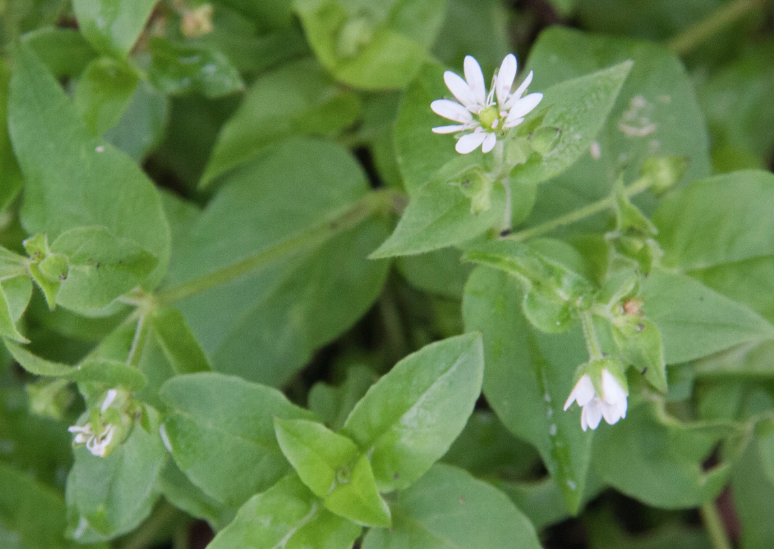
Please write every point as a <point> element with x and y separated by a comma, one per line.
<point>286,515</point>
<point>314,452</point>
<point>439,215</point>
<point>410,417</point>
<point>7,322</point>
<point>102,267</point>
<point>640,344</point>
<point>334,404</point>
<point>112,26</point>
<point>103,93</point>
<point>109,373</point>
<point>358,500</point>
<point>177,69</point>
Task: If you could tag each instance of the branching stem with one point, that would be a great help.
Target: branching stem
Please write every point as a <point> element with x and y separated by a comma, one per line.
<point>581,213</point>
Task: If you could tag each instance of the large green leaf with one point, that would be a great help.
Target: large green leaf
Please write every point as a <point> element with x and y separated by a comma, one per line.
<point>753,496</point>
<point>112,26</point>
<point>103,93</point>
<point>10,176</point>
<point>299,98</point>
<point>299,233</point>
<point>720,231</point>
<point>529,375</point>
<point>449,509</point>
<point>659,460</point>
<point>220,432</point>
<point>656,113</point>
<point>107,497</point>
<point>32,513</point>
<point>410,417</point>
<point>74,179</point>
<point>696,321</point>
<point>286,515</point>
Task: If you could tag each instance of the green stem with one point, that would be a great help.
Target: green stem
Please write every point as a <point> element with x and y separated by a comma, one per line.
<point>581,213</point>
<point>714,525</point>
<point>724,16</point>
<point>353,216</point>
<point>590,334</point>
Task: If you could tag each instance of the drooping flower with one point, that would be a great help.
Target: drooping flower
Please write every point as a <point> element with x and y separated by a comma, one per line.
<point>481,117</point>
<point>610,403</point>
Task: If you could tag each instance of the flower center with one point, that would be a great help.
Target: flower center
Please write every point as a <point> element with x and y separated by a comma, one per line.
<point>489,118</point>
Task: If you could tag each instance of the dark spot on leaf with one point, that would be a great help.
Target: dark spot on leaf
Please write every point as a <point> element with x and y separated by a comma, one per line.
<point>396,476</point>
<point>62,277</point>
<point>462,499</point>
<point>644,370</point>
<point>505,232</point>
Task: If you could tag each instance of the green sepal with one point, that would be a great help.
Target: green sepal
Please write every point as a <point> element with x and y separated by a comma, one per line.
<point>54,267</point>
<point>628,217</point>
<point>639,342</point>
<point>664,171</point>
<point>36,246</point>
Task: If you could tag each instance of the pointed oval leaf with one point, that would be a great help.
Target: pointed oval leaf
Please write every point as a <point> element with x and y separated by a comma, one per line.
<point>410,417</point>
<point>112,26</point>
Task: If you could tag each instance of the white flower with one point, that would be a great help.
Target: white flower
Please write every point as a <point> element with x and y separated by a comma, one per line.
<point>611,405</point>
<point>484,115</point>
<point>97,444</point>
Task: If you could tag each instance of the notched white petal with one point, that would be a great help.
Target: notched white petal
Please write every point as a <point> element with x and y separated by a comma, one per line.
<point>489,143</point>
<point>475,78</point>
<point>505,78</point>
<point>451,110</point>
<point>459,89</point>
<point>449,129</point>
<point>612,392</point>
<point>525,105</point>
<point>515,96</point>
<point>470,142</point>
<point>582,393</point>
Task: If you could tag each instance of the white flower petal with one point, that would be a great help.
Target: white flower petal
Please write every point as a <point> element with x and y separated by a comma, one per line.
<point>109,398</point>
<point>611,413</point>
<point>612,392</point>
<point>450,129</point>
<point>460,89</point>
<point>489,143</point>
<point>583,392</point>
<point>505,78</point>
<point>512,123</point>
<point>451,110</point>
<point>593,413</point>
<point>470,142</point>
<point>475,79</point>
<point>525,105</point>
<point>515,96</point>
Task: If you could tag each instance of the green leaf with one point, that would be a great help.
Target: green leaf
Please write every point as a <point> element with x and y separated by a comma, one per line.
<point>449,509</point>
<point>439,215</point>
<point>112,26</point>
<point>33,513</point>
<point>640,345</point>
<point>181,493</point>
<point>410,417</point>
<point>301,248</point>
<point>334,404</point>
<point>220,432</point>
<point>266,15</point>
<point>65,52</point>
<point>17,291</point>
<point>102,267</point>
<point>330,465</point>
<point>748,360</point>
<point>656,113</point>
<point>178,68</point>
<point>371,46</point>
<point>658,460</point>
<point>178,342</point>
<point>529,375</point>
<point>718,220</point>
<point>103,93</point>
<point>109,373</point>
<point>108,497</point>
<point>10,176</point>
<point>9,290</point>
<point>696,321</point>
<point>143,123</point>
<point>73,179</point>
<point>753,496</point>
<point>314,452</point>
<point>299,98</point>
<point>289,516</point>
<point>440,272</point>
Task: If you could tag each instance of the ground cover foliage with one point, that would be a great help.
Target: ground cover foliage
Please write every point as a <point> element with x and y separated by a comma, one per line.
<point>255,292</point>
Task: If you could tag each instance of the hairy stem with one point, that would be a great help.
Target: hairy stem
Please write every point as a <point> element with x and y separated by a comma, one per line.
<point>711,519</point>
<point>725,15</point>
<point>315,236</point>
<point>590,335</point>
<point>581,213</point>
